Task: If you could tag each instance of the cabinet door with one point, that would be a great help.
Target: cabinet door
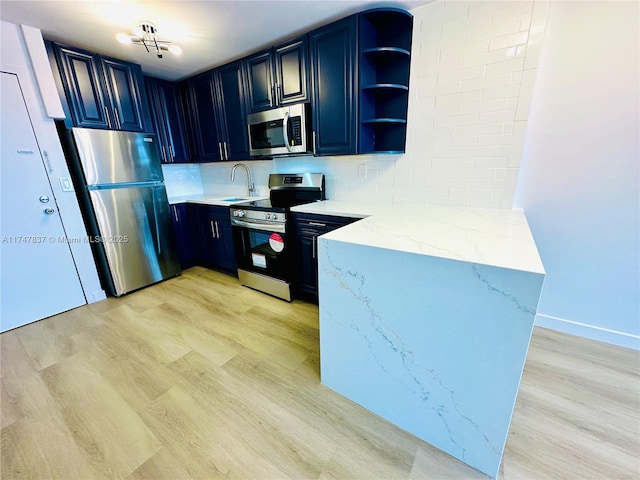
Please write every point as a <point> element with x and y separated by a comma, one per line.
<point>260,82</point>
<point>188,121</point>
<point>290,63</point>
<point>334,100</point>
<point>204,120</point>
<point>126,96</point>
<point>227,251</point>
<point>165,113</point>
<point>233,111</point>
<point>83,88</point>
<point>204,233</point>
<point>182,228</point>
<point>157,121</point>
<point>168,95</point>
<point>307,271</point>
<point>214,245</point>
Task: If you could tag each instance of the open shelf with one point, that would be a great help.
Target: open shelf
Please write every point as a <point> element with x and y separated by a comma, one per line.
<point>385,51</point>
<point>385,86</point>
<point>383,136</point>
<point>385,58</point>
<point>385,120</point>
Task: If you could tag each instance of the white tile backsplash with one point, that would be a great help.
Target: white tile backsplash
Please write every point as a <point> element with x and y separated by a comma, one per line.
<point>468,110</point>
<point>182,179</point>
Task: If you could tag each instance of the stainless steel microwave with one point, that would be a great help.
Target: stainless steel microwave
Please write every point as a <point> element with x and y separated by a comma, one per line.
<point>280,131</point>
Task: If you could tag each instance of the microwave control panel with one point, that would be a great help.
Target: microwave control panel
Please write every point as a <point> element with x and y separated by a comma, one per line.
<point>295,124</point>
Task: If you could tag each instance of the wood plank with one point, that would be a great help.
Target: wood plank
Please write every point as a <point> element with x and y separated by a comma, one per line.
<point>200,377</point>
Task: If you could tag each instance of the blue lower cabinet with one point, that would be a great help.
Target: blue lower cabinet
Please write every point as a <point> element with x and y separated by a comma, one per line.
<point>182,227</point>
<point>213,238</point>
<point>308,228</point>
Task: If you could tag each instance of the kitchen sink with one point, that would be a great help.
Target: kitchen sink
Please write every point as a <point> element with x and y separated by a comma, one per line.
<point>234,199</point>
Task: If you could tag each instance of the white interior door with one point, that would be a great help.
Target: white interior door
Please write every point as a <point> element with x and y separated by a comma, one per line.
<point>38,277</point>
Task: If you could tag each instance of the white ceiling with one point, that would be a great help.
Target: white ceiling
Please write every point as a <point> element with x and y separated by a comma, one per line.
<point>210,32</point>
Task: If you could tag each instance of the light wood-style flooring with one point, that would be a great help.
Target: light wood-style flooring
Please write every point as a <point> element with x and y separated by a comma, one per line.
<point>199,377</point>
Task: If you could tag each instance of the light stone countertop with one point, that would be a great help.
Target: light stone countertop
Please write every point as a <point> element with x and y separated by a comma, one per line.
<point>499,238</point>
<point>225,201</point>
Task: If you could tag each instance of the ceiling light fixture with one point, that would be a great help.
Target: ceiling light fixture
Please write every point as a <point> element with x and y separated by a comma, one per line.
<point>145,34</point>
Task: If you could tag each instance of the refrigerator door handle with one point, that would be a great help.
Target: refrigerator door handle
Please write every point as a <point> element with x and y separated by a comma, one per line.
<point>157,226</point>
<point>106,116</point>
<point>118,124</point>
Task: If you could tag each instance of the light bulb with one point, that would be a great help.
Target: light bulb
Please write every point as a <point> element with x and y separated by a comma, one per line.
<point>123,38</point>
<point>175,49</point>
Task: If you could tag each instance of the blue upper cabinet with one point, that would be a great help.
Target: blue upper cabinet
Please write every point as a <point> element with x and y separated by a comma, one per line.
<point>334,77</point>
<point>278,76</point>
<point>260,84</point>
<point>290,64</point>
<point>102,92</point>
<point>232,111</point>
<point>201,120</point>
<point>83,87</point>
<point>126,95</point>
<point>165,114</point>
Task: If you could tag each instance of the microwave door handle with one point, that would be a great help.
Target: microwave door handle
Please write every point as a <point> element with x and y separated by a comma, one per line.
<point>285,130</point>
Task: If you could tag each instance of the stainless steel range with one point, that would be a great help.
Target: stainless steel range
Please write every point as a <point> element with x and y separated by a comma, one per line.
<point>261,232</point>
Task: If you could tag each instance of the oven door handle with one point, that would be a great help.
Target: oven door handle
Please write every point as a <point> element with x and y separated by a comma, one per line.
<point>267,227</point>
<point>285,131</point>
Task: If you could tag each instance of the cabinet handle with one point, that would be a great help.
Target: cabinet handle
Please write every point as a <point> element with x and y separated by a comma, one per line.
<point>226,152</point>
<point>273,96</point>
<point>217,230</point>
<point>314,142</point>
<point>277,96</point>
<point>175,213</point>
<point>220,150</point>
<point>164,156</point>
<point>172,153</point>
<point>313,247</point>
<point>107,118</point>
<point>118,124</point>
<point>213,234</point>
<point>316,224</point>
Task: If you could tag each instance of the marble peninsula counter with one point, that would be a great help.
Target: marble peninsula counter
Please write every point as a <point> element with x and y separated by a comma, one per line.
<point>425,319</point>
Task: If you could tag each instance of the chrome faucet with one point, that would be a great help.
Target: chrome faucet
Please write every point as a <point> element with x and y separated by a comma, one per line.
<point>250,185</point>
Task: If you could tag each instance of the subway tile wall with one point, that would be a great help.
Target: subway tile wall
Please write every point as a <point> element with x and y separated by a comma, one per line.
<point>472,74</point>
<point>182,179</point>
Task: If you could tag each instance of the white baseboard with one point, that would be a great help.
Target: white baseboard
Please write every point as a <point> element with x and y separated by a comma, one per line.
<point>592,332</point>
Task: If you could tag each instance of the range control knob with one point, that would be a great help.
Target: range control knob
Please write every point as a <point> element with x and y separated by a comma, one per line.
<point>240,213</point>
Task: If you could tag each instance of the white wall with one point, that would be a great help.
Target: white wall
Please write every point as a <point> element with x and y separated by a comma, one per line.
<point>14,58</point>
<point>580,179</point>
<point>472,71</point>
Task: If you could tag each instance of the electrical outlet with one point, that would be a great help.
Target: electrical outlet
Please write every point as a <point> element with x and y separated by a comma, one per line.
<point>65,183</point>
<point>362,170</point>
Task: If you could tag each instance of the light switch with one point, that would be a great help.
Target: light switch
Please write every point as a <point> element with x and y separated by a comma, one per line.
<point>65,183</point>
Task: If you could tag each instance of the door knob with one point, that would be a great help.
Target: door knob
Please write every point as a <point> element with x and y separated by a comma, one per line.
<point>44,199</point>
<point>49,211</point>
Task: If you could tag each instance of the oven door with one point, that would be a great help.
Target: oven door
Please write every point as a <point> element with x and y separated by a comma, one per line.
<point>263,249</point>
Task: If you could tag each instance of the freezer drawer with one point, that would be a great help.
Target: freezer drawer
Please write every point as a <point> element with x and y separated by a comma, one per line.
<point>135,235</point>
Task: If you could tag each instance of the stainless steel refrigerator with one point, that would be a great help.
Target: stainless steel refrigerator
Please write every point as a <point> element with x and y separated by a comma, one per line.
<point>119,182</point>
